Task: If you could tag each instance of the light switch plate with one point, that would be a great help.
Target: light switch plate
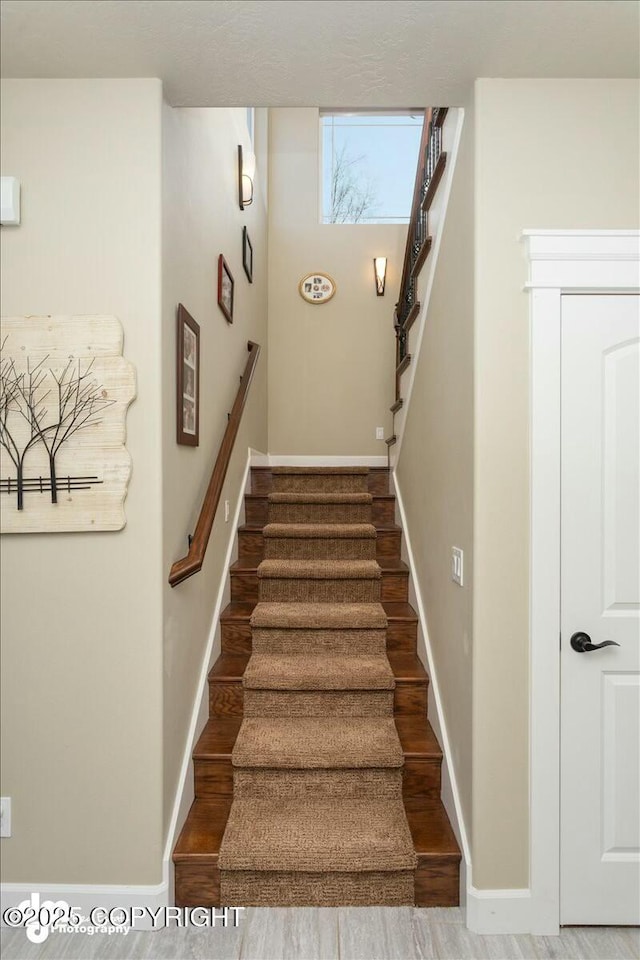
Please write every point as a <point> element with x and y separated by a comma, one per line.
<point>379,433</point>
<point>457,565</point>
<point>9,201</point>
<point>5,816</point>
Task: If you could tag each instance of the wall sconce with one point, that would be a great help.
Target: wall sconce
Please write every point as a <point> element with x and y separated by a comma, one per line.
<point>380,273</point>
<point>246,173</point>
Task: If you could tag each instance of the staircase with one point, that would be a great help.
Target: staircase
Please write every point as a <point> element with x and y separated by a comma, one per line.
<point>317,776</point>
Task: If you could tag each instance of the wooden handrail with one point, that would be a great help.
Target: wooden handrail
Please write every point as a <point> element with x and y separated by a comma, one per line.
<point>429,171</point>
<point>417,198</point>
<point>192,563</point>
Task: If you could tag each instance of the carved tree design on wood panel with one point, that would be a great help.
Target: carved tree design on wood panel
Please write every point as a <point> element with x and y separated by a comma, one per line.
<point>64,392</point>
<point>76,402</point>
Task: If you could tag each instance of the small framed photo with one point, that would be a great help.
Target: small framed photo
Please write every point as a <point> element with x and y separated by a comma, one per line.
<point>225,288</point>
<point>188,379</point>
<point>247,254</point>
<point>317,287</point>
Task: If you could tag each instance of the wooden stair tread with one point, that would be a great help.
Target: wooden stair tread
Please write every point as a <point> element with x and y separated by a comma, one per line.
<point>399,610</point>
<point>435,180</point>
<point>204,827</point>
<point>411,317</point>
<point>391,440</point>
<point>430,828</point>
<point>375,496</point>
<point>397,405</point>
<point>406,667</point>
<point>219,735</point>
<point>202,833</point>
<point>240,611</point>
<point>229,667</point>
<point>417,738</point>
<point>380,527</point>
<point>217,738</point>
<point>387,564</point>
<point>270,469</point>
<point>404,363</point>
<point>425,249</point>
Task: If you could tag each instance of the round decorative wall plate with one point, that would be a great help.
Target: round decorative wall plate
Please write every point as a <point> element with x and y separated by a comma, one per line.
<point>317,288</point>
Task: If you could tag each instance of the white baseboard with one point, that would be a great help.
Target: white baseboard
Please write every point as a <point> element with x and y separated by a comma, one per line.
<point>498,911</point>
<point>84,897</point>
<point>185,789</point>
<point>450,792</point>
<point>276,460</point>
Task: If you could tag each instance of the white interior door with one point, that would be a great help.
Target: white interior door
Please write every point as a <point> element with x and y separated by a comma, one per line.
<point>600,597</point>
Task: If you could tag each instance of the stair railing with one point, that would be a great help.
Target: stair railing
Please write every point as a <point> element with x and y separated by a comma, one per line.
<point>192,562</point>
<point>428,173</point>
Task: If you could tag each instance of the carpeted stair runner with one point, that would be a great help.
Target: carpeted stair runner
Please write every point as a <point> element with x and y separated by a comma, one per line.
<point>320,507</point>
<point>319,628</point>
<point>319,541</point>
<point>317,817</point>
<point>313,581</point>
<point>323,480</point>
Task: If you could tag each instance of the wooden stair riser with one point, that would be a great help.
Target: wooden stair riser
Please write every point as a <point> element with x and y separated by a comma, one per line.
<point>422,778</point>
<point>197,882</point>
<point>437,882</point>
<point>251,544</point>
<point>226,698</point>
<point>382,512</point>
<point>236,636</point>
<point>377,480</point>
<point>214,777</point>
<point>394,586</point>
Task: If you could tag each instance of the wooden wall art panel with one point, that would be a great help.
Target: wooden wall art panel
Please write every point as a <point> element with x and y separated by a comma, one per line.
<point>64,392</point>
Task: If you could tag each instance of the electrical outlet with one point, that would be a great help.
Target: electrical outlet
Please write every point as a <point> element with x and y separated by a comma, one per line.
<point>5,816</point>
<point>379,433</point>
<point>226,511</point>
<point>457,560</point>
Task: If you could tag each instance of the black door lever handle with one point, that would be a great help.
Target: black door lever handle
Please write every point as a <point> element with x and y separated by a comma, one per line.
<point>581,643</point>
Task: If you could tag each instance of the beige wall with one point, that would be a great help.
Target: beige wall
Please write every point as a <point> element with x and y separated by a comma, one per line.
<point>331,367</point>
<point>81,613</point>
<point>435,467</point>
<point>201,219</point>
<point>554,154</point>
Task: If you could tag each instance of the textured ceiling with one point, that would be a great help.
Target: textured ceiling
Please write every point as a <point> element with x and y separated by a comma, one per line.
<point>333,52</point>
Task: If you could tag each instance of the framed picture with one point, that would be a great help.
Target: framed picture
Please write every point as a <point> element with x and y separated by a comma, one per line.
<point>188,379</point>
<point>225,288</point>
<point>247,255</point>
<point>317,287</point>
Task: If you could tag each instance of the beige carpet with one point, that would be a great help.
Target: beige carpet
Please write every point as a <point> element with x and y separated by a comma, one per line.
<point>318,507</point>
<point>327,480</point>
<point>320,541</point>
<point>317,817</point>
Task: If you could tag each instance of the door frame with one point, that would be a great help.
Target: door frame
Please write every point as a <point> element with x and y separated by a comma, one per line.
<point>560,262</point>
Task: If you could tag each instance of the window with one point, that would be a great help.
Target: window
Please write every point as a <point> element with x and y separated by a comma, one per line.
<point>369,165</point>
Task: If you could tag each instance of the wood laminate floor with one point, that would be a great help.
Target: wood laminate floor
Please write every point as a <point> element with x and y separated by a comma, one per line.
<point>331,934</point>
